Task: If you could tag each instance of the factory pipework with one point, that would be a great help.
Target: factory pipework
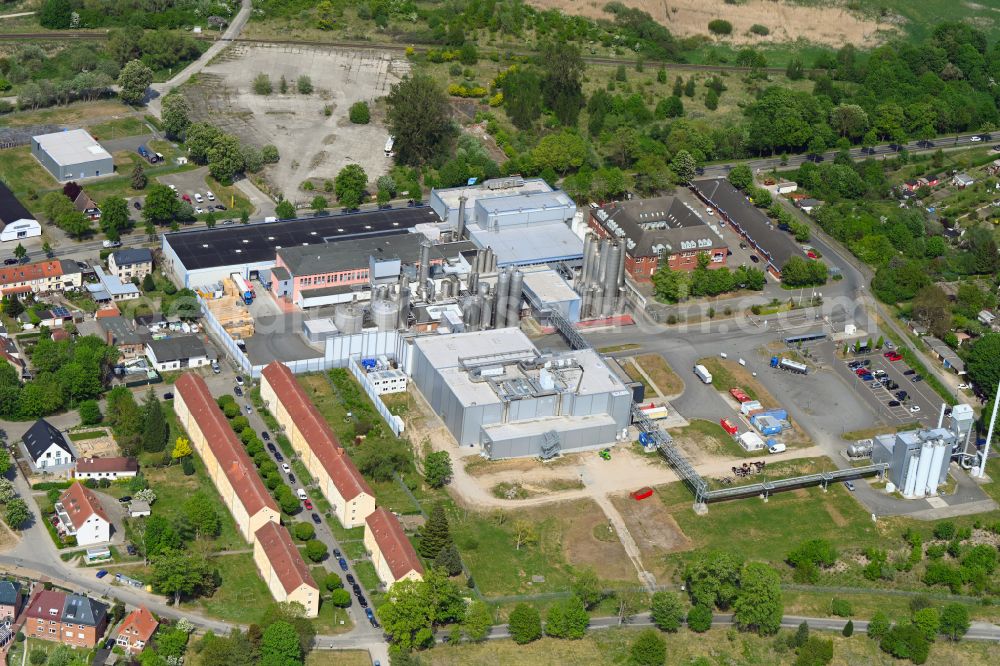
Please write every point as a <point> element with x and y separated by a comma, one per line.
<point>460,230</point>
<point>425,267</point>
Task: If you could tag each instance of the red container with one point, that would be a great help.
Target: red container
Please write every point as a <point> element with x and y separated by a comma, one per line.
<point>642,493</point>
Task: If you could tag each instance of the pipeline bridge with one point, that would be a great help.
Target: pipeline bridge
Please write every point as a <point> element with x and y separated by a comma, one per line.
<point>688,474</point>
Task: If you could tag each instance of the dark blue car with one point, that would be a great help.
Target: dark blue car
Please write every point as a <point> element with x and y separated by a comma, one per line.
<point>343,563</point>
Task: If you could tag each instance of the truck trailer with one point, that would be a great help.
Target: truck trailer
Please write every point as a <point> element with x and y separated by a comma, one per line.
<point>703,374</point>
<point>246,293</point>
<point>789,365</point>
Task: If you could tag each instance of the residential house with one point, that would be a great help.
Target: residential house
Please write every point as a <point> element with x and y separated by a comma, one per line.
<point>107,468</point>
<point>16,222</point>
<point>135,262</point>
<point>80,514</point>
<point>53,318</point>
<point>41,276</point>
<point>986,318</point>
<point>70,619</point>
<point>110,288</point>
<point>118,333</point>
<point>391,552</point>
<point>281,566</point>
<point>808,205</point>
<point>316,444</point>
<point>911,185</point>
<point>179,353</point>
<point>10,599</point>
<point>226,460</point>
<point>962,180</point>
<point>48,449</point>
<point>87,206</point>
<point>137,629</point>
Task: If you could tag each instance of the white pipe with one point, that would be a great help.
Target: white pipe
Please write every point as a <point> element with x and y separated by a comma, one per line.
<point>941,415</point>
<point>989,434</point>
<point>911,477</point>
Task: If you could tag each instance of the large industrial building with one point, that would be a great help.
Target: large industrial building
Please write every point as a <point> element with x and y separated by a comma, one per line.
<point>72,155</point>
<point>657,231</point>
<point>919,459</point>
<point>207,256</point>
<point>495,390</point>
<point>774,246</point>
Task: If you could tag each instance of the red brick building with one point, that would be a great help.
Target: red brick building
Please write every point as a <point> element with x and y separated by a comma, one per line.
<point>657,230</point>
<point>70,619</point>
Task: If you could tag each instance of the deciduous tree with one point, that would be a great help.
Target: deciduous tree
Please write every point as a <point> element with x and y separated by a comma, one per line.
<point>114,217</point>
<point>133,81</point>
<point>175,115</point>
<point>759,606</point>
<point>649,649</point>
<point>525,624</point>
<point>418,118</point>
<point>667,611</point>
<point>350,185</point>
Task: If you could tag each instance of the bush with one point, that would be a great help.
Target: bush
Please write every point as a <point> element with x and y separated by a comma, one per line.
<point>262,84</point>
<point>340,598</point>
<point>359,113</point>
<point>304,85</point>
<point>759,29</point>
<point>841,608</point>
<point>333,581</point>
<point>90,412</point>
<point>305,532</point>
<point>720,27</point>
<point>699,618</point>
<point>945,530</point>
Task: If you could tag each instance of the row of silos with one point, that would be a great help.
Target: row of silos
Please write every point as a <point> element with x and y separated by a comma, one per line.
<point>485,261</point>
<point>602,277</point>
<point>926,468</point>
<point>484,308</point>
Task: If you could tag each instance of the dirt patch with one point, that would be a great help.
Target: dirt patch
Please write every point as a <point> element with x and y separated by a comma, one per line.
<point>653,529</point>
<point>832,26</point>
<point>7,538</point>
<point>582,548</point>
<point>98,447</point>
<point>835,515</point>
<point>479,466</point>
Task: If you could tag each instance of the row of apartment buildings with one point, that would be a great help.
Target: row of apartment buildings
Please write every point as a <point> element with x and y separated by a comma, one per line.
<point>339,480</point>
<point>257,515</point>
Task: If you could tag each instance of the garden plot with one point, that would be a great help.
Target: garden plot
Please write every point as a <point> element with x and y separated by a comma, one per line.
<point>312,145</point>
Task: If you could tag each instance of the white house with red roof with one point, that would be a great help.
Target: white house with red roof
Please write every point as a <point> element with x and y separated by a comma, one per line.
<point>79,514</point>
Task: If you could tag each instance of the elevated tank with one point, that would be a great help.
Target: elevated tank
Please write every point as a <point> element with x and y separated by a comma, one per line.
<point>385,314</point>
<point>503,289</point>
<point>514,299</point>
<point>348,317</point>
<point>404,308</point>
<point>472,313</point>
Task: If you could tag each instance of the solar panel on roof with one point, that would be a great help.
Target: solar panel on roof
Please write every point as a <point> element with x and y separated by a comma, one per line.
<point>60,311</point>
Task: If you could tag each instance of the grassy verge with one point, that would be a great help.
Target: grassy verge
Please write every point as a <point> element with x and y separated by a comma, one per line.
<point>366,575</point>
<point>868,433</point>
<point>619,348</point>
<point>338,658</point>
<point>636,376</point>
<point>243,595</point>
<point>711,438</point>
<point>661,373</point>
<point>85,435</point>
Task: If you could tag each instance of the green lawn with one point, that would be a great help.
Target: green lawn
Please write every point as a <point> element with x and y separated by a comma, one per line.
<point>243,595</point>
<point>86,434</point>
<point>117,129</point>
<point>392,496</point>
<point>354,550</point>
<point>711,438</point>
<point>367,576</point>
<point>23,173</point>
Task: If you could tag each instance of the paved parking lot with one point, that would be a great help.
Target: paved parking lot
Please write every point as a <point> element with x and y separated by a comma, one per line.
<point>189,183</point>
<point>919,395</point>
<point>740,255</point>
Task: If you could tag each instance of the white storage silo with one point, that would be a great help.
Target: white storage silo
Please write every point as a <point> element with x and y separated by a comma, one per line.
<point>911,476</point>
<point>936,461</point>
<point>924,468</point>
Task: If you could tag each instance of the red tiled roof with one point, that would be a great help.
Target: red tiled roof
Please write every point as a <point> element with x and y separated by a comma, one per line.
<point>142,621</point>
<point>28,272</point>
<point>80,503</point>
<point>225,446</point>
<point>45,601</point>
<point>396,549</point>
<point>316,431</point>
<point>108,311</point>
<point>285,559</point>
<point>118,464</point>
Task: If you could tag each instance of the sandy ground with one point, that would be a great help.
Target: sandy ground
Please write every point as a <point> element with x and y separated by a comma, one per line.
<point>99,447</point>
<point>832,26</point>
<point>312,145</point>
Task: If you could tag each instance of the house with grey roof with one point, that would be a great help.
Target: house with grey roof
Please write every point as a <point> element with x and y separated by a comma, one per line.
<point>132,262</point>
<point>177,353</point>
<point>48,449</point>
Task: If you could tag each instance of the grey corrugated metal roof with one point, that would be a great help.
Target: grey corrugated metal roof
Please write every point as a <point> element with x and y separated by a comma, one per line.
<point>72,147</point>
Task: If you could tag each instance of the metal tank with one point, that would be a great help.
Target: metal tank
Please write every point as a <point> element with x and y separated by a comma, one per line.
<point>460,230</point>
<point>503,289</point>
<point>514,299</point>
<point>473,283</point>
<point>611,280</point>
<point>588,254</point>
<point>385,314</point>
<point>924,469</point>
<point>472,313</point>
<point>425,266</point>
<point>911,476</point>
<point>348,317</point>
<point>597,300</point>
<point>621,269</point>
<point>445,289</point>
<point>403,320</point>
<point>934,478</point>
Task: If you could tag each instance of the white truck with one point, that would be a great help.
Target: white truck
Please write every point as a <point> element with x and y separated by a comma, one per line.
<point>703,374</point>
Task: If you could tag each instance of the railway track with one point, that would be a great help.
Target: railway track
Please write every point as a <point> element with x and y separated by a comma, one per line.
<point>400,48</point>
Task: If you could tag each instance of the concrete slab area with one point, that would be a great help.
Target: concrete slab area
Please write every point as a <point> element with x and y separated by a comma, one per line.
<point>312,144</point>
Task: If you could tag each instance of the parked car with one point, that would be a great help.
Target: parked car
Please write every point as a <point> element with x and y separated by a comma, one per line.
<point>754,259</point>
<point>249,409</point>
<point>238,392</point>
<point>102,573</point>
<point>343,563</point>
<point>308,505</point>
<point>301,493</point>
<point>125,499</point>
<point>265,435</point>
<point>894,403</point>
<point>291,478</point>
<point>901,395</point>
<point>239,380</point>
<point>976,139</point>
<point>111,243</point>
<point>316,519</point>
<point>336,553</point>
<point>849,485</point>
<point>9,261</point>
<point>168,396</point>
<point>350,579</point>
<point>914,409</point>
<point>362,601</point>
<point>917,378</point>
<point>216,368</point>
<point>137,205</point>
<point>964,387</point>
<point>371,617</point>
<point>911,371</point>
<point>271,447</point>
<point>130,549</point>
<point>186,198</point>
<point>286,468</point>
<point>278,456</point>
